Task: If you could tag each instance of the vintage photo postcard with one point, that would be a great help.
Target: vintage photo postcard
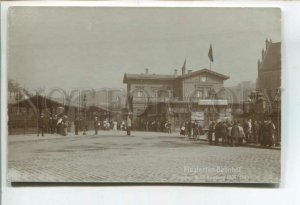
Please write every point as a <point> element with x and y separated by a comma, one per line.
<point>143,95</point>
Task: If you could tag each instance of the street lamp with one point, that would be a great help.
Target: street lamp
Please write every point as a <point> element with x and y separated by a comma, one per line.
<point>85,120</point>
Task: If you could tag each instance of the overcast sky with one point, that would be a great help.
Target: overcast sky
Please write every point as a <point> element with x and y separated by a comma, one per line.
<point>93,47</point>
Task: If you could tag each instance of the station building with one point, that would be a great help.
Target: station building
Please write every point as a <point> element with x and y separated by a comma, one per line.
<point>191,95</point>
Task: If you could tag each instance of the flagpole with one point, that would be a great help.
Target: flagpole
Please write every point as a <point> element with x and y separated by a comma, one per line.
<point>210,55</point>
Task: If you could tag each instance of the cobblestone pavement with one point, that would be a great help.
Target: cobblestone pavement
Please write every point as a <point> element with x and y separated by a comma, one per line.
<point>111,156</point>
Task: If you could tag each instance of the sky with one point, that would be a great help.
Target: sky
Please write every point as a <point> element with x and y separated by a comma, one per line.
<point>92,47</point>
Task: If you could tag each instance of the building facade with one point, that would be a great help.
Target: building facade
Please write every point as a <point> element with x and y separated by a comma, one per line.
<point>269,83</point>
<point>177,97</point>
<point>269,74</point>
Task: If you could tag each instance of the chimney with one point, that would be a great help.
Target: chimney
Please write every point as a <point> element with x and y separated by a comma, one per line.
<point>190,71</point>
<point>175,72</point>
<point>262,54</point>
<point>147,71</point>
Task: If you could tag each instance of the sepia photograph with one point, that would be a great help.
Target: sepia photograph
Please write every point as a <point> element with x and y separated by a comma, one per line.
<point>165,95</point>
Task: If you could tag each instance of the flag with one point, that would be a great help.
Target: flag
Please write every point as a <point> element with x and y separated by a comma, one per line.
<point>210,54</point>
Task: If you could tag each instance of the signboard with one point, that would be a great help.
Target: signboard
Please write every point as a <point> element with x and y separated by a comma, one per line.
<point>212,102</point>
<point>197,116</point>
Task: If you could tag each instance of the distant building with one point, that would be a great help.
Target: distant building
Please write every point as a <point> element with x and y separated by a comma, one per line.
<point>269,74</point>
<point>269,83</point>
<point>177,98</point>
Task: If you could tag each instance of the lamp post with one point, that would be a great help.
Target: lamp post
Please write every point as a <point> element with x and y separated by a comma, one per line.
<point>85,120</point>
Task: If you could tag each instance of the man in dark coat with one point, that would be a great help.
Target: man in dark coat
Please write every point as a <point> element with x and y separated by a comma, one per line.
<point>223,129</point>
<point>128,124</point>
<point>96,125</point>
<point>41,125</point>
<point>211,130</point>
<point>255,128</point>
<point>54,124</point>
<point>76,124</point>
<point>235,133</point>
<point>217,132</point>
<point>189,128</point>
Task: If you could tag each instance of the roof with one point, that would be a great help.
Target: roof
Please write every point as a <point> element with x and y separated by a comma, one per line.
<point>147,77</point>
<point>272,59</point>
<point>37,101</point>
<point>219,75</point>
<point>170,77</point>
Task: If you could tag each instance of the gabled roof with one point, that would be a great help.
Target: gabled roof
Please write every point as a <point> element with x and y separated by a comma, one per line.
<point>272,59</point>
<point>171,77</point>
<point>219,75</point>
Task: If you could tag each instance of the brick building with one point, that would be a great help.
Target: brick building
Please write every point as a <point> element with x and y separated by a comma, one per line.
<point>177,97</point>
<point>269,83</point>
<point>269,74</point>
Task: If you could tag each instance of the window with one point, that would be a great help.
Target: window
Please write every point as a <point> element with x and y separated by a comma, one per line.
<point>203,79</point>
<point>140,94</point>
<point>199,93</point>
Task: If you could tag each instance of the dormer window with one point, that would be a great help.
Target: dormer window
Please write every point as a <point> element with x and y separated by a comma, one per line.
<point>203,79</point>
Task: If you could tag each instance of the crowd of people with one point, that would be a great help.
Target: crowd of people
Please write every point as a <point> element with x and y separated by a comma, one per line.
<point>54,125</point>
<point>155,125</point>
<point>62,125</point>
<point>191,129</point>
<point>224,132</point>
<point>236,133</point>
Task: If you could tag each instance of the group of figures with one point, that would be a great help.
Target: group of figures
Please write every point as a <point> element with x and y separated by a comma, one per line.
<point>62,125</point>
<point>154,126</point>
<point>54,125</point>
<point>236,133</point>
<point>191,129</point>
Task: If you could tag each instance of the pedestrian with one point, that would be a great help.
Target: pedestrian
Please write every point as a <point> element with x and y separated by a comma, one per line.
<point>96,125</point>
<point>84,124</point>
<point>50,124</point>
<point>260,132</point>
<point>41,125</point>
<point>189,128</point>
<point>115,125</point>
<point>168,126</point>
<point>59,125</point>
<point>194,130</point>
<point>129,126</point>
<point>182,129</point>
<point>217,132</point>
<point>76,125</point>
<point>224,133</point>
<point>242,135</point>
<point>54,124</point>
<point>246,129</point>
<point>273,129</point>
<point>147,126</point>
<point>235,133</point>
<point>230,138</point>
<point>123,126</point>
<point>65,125</point>
<point>250,130</point>
<point>271,132</point>
<point>255,128</point>
<point>211,131</point>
